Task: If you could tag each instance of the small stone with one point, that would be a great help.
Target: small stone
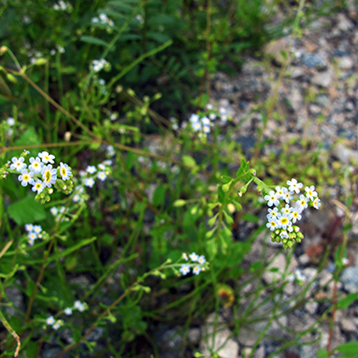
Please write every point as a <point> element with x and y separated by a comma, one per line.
<point>229,348</point>
<point>194,335</point>
<point>345,154</point>
<point>348,325</point>
<point>289,289</point>
<point>349,106</point>
<point>344,24</point>
<point>349,279</point>
<point>354,228</point>
<point>51,352</point>
<point>345,63</point>
<point>322,100</point>
<point>296,100</point>
<point>224,346</point>
<point>324,278</point>
<point>311,307</point>
<point>280,263</point>
<point>297,72</point>
<point>308,352</point>
<point>15,296</point>
<point>275,48</point>
<point>246,351</point>
<point>96,334</point>
<point>309,273</point>
<point>304,259</point>
<point>314,61</point>
<point>169,342</point>
<point>260,352</point>
<point>322,79</point>
<point>314,109</point>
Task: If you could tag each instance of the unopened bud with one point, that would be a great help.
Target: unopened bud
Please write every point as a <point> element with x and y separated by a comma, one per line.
<point>3,49</point>
<point>67,136</point>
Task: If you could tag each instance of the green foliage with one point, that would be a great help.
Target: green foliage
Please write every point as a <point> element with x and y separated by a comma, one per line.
<point>118,245</point>
<point>26,211</point>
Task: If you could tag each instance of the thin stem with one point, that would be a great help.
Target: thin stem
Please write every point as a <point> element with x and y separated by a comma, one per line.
<point>54,103</point>
<point>44,264</point>
<point>108,310</point>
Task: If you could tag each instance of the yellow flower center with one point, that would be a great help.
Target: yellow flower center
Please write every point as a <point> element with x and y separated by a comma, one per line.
<point>47,176</point>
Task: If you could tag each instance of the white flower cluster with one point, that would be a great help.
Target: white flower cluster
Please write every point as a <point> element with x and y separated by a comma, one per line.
<point>57,212</point>
<point>113,116</point>
<point>101,86</point>
<point>10,122</point>
<point>92,173</point>
<point>59,48</point>
<point>103,19</point>
<point>78,305</point>
<point>297,276</point>
<point>39,172</point>
<point>199,124</point>
<point>110,151</point>
<point>61,6</point>
<point>221,113</point>
<point>185,268</point>
<point>282,216</point>
<point>34,232</point>
<point>139,18</point>
<point>98,65</point>
<point>50,321</point>
<point>205,123</point>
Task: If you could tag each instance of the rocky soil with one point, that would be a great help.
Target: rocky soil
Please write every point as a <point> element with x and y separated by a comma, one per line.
<point>317,101</point>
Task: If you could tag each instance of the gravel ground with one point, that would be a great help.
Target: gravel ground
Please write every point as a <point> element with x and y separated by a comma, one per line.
<point>321,82</point>
<point>317,101</point>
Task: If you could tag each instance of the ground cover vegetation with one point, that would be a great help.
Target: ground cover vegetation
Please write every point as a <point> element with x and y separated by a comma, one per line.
<point>122,191</point>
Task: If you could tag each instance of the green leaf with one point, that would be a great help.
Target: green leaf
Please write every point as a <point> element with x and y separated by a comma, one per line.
<point>212,205</point>
<point>179,202</point>
<point>347,301</point>
<point>26,211</point>
<point>31,349</point>
<point>221,194</point>
<point>350,347</point>
<point>159,195</point>
<point>226,187</point>
<point>255,266</point>
<point>228,218</point>
<point>322,353</point>
<point>210,233</point>
<point>71,262</point>
<point>28,137</point>
<point>189,161</point>
<point>95,145</point>
<point>211,222</point>
<point>226,179</point>
<point>158,36</point>
<point>71,249</point>
<point>238,206</point>
<point>250,218</point>
<point>93,40</point>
